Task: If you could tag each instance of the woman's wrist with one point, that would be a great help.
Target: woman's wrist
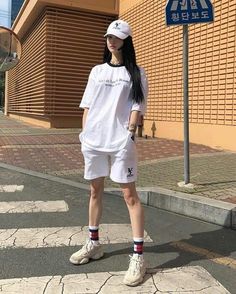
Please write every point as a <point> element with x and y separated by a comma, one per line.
<point>132,128</point>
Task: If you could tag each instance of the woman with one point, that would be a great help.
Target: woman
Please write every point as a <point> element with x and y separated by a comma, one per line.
<point>113,101</point>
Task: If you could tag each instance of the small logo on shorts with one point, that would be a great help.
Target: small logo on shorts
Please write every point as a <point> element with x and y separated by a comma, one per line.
<point>130,172</point>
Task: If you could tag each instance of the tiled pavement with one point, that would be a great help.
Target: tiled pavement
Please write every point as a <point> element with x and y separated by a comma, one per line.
<point>57,152</point>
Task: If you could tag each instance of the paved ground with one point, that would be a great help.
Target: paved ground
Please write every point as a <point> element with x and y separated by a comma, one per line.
<point>57,152</point>
<point>43,219</point>
<point>42,222</point>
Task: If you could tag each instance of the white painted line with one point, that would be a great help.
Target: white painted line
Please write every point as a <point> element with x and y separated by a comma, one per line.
<point>193,4</point>
<point>184,5</point>
<point>174,5</point>
<point>192,279</point>
<point>64,236</point>
<point>204,4</point>
<point>177,280</point>
<point>11,188</point>
<point>33,206</point>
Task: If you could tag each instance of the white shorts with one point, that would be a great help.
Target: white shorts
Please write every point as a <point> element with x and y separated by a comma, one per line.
<point>120,165</point>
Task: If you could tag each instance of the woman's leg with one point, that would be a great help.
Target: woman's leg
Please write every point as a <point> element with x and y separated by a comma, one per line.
<point>135,209</point>
<point>95,202</point>
<point>92,248</point>
<point>137,266</point>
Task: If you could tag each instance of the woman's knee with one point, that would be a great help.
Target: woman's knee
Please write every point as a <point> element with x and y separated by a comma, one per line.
<point>130,196</point>
<point>96,188</point>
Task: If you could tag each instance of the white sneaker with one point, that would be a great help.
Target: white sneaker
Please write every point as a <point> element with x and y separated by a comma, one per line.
<point>136,271</point>
<point>88,251</point>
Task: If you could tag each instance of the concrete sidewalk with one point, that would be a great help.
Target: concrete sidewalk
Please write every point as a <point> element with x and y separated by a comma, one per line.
<point>56,153</point>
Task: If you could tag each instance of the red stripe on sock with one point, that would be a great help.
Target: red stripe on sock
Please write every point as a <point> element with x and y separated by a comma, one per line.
<point>93,235</point>
<point>138,248</point>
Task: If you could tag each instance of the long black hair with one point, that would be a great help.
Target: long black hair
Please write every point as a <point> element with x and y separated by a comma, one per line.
<point>129,61</point>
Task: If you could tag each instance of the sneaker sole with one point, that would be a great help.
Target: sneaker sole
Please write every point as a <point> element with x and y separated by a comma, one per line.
<point>135,283</point>
<point>97,256</point>
<point>86,260</point>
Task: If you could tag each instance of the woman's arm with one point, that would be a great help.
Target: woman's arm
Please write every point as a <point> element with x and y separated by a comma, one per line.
<point>84,117</point>
<point>133,120</point>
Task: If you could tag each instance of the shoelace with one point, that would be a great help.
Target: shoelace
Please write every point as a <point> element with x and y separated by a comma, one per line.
<point>86,248</point>
<point>135,264</point>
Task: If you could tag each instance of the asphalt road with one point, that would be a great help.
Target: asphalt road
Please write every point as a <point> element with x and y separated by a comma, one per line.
<point>176,240</point>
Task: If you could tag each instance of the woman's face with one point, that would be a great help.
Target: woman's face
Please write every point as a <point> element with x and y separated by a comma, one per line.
<point>114,43</point>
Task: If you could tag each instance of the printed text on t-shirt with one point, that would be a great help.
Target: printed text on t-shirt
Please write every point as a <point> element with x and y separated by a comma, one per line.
<point>112,83</point>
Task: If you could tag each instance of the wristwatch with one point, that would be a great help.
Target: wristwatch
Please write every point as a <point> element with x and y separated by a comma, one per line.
<point>132,129</point>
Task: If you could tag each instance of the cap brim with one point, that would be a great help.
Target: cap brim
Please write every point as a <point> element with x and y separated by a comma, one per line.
<point>116,33</point>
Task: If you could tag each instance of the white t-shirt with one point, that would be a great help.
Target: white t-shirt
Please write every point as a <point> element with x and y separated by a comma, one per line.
<point>107,95</point>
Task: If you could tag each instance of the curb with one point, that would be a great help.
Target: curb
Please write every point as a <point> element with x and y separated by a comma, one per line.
<point>233,218</point>
<point>198,207</point>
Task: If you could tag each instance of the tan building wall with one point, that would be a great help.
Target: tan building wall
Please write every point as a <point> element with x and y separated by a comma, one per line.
<point>61,42</point>
<point>212,72</point>
<point>47,85</point>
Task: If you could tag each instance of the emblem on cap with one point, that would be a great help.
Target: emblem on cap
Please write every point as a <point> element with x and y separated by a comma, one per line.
<point>117,26</point>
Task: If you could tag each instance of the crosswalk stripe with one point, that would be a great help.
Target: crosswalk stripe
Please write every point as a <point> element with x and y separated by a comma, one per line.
<point>64,236</point>
<point>11,188</point>
<point>175,280</point>
<point>33,206</point>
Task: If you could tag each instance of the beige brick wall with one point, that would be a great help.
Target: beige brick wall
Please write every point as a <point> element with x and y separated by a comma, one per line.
<point>212,70</point>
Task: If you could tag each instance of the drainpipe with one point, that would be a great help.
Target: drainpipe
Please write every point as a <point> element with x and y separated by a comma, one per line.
<point>6,94</point>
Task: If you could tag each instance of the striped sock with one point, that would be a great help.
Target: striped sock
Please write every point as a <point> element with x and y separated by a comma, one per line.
<point>138,246</point>
<point>93,234</point>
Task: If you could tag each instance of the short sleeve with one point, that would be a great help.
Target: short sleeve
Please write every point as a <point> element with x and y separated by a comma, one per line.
<point>89,91</point>
<point>142,106</point>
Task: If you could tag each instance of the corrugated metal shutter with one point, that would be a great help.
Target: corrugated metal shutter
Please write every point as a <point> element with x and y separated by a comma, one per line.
<point>75,44</point>
<point>26,86</point>
<point>57,57</point>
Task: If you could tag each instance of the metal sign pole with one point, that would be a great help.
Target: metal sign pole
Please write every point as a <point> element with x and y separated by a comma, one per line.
<point>185,12</point>
<point>186,106</point>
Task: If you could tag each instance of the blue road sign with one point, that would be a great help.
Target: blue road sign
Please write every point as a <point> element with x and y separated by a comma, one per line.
<point>181,12</point>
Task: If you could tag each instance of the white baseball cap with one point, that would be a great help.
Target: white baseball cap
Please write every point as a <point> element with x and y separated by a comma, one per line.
<point>120,29</point>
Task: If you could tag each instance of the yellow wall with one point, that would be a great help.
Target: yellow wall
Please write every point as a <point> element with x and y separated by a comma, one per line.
<point>212,71</point>
<point>127,4</point>
<point>215,136</point>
